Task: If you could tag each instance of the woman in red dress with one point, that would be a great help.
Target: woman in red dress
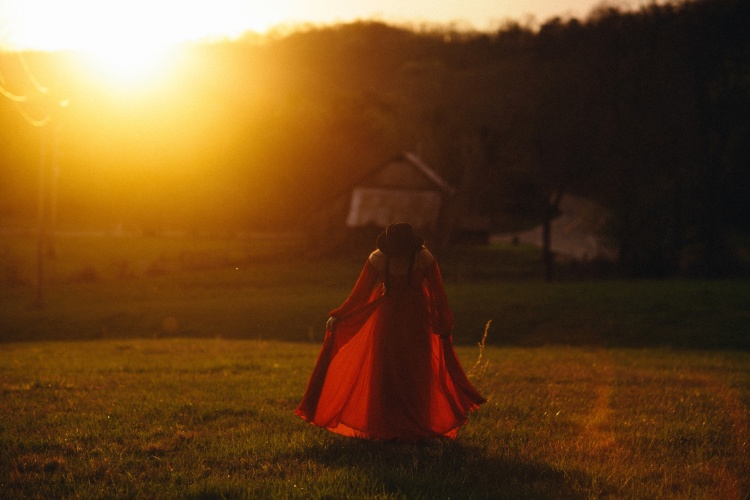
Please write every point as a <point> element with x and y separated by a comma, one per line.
<point>387,369</point>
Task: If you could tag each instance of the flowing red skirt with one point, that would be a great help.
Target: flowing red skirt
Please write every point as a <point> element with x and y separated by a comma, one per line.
<point>386,371</point>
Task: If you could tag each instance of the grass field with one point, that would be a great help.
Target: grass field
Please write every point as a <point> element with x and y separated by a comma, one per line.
<point>171,367</point>
<point>212,418</point>
<point>102,287</point>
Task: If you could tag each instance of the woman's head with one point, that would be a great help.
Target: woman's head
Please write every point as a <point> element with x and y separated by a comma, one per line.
<point>399,240</point>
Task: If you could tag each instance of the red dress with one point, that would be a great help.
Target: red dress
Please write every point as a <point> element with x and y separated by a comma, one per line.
<point>388,369</point>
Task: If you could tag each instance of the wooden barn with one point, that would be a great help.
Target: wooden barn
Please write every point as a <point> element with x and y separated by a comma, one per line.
<point>402,189</point>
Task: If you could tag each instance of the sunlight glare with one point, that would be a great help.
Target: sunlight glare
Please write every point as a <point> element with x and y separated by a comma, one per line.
<point>127,66</point>
<point>126,43</point>
<point>94,24</point>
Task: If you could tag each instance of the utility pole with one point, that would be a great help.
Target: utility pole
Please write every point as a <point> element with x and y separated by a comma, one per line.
<point>48,154</point>
<point>41,220</point>
<point>47,196</point>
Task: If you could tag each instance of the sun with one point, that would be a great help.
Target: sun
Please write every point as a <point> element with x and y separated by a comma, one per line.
<point>131,54</point>
<point>127,66</point>
<point>92,24</point>
<point>128,42</point>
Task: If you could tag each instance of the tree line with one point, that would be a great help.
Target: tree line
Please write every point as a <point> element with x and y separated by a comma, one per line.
<point>642,111</point>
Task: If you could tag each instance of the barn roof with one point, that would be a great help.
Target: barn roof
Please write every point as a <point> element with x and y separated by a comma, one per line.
<point>412,159</point>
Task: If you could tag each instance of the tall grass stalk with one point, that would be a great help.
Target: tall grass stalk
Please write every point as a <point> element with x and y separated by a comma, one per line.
<point>480,366</point>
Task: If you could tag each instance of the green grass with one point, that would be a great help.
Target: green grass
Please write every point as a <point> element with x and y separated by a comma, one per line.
<point>212,418</point>
<point>269,288</point>
<point>186,383</point>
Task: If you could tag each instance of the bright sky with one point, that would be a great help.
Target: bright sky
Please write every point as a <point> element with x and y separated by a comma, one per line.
<point>100,24</point>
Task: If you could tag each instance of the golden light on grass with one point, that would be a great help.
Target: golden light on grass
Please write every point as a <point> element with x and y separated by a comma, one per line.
<point>180,416</point>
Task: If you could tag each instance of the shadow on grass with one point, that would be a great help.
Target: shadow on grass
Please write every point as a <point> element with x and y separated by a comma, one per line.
<point>446,469</point>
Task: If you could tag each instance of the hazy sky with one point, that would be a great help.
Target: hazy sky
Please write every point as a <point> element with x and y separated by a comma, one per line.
<point>83,23</point>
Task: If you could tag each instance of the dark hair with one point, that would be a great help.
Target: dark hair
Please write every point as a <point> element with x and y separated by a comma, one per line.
<point>398,240</point>
<point>387,279</point>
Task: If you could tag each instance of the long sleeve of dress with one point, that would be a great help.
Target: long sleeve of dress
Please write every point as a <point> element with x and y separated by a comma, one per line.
<point>360,295</point>
<point>350,316</point>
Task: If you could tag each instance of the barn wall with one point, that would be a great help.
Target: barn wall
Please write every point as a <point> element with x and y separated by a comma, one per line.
<point>380,206</point>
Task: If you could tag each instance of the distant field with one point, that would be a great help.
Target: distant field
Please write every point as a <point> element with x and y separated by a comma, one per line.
<point>266,287</point>
<point>212,418</point>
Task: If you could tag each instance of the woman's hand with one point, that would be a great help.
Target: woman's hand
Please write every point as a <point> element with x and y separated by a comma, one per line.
<point>330,323</point>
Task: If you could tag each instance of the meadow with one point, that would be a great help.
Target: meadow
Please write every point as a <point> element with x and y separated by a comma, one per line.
<point>212,418</point>
<point>167,368</point>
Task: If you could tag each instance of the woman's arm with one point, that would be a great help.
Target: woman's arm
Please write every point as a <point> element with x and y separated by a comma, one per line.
<point>360,294</point>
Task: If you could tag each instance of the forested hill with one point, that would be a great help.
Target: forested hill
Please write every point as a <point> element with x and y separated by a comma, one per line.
<point>644,112</point>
